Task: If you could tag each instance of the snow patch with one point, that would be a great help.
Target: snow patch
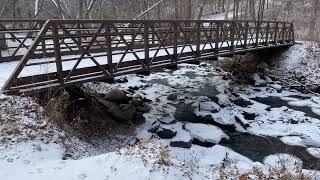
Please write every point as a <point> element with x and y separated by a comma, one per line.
<point>206,133</point>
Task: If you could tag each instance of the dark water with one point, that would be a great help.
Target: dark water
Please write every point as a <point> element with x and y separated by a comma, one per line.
<point>254,147</point>
<point>276,102</point>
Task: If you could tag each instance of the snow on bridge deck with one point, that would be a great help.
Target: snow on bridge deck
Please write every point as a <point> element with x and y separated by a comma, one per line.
<point>106,49</point>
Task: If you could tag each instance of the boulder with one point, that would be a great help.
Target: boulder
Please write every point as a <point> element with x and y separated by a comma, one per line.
<point>257,81</point>
<point>137,102</point>
<point>154,128</point>
<point>181,144</point>
<point>165,133</point>
<point>239,101</point>
<point>167,120</point>
<point>262,66</point>
<point>143,108</point>
<point>172,97</point>
<point>182,139</point>
<point>116,95</point>
<point>210,106</point>
<point>139,119</point>
<point>122,112</point>
<point>205,133</point>
<point>121,80</point>
<point>277,87</point>
<point>292,121</point>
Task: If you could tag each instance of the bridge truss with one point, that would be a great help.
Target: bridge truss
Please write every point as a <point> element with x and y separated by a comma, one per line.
<point>59,53</point>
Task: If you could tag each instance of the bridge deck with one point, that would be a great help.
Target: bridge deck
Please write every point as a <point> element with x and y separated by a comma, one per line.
<point>65,52</point>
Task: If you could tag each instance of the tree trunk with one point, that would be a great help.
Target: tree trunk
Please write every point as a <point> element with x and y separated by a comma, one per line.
<point>226,7</point>
<point>312,30</point>
<point>201,9</point>
<point>189,9</point>
<point>252,10</point>
<point>80,9</point>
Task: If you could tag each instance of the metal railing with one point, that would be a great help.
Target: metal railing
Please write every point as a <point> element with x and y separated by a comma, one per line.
<point>77,51</point>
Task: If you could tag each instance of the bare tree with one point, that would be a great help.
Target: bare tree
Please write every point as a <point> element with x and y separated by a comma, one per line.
<point>312,30</point>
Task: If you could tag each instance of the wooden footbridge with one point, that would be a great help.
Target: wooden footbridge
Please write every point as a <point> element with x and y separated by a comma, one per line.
<point>58,53</point>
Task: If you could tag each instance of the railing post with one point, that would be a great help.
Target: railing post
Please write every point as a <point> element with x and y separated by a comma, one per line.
<point>292,33</point>
<point>153,34</point>
<point>276,29</point>
<point>246,32</point>
<point>257,33</point>
<point>79,34</point>
<point>232,36</point>
<point>146,46</point>
<point>175,42</point>
<point>267,34</point>
<point>109,48</point>
<point>217,39</point>
<point>283,32</point>
<point>198,54</point>
<point>57,53</point>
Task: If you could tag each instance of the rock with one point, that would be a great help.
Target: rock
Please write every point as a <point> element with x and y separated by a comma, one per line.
<point>154,128</point>
<point>292,121</point>
<point>299,75</point>
<point>249,116</point>
<point>172,97</point>
<point>241,102</point>
<point>277,87</point>
<point>137,96</point>
<point>266,71</point>
<point>146,100</point>
<point>268,79</point>
<point>128,110</point>
<point>143,108</point>
<point>121,80</point>
<point>209,107</point>
<point>116,95</point>
<point>206,133</point>
<point>165,133</point>
<point>122,112</point>
<point>182,139</point>
<point>262,66</point>
<point>257,81</point>
<point>223,100</point>
<point>134,88</point>
<point>139,119</point>
<point>201,143</point>
<point>137,102</point>
<point>168,121</point>
<point>181,144</point>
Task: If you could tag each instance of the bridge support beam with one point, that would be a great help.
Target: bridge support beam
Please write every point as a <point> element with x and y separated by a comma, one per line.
<point>195,62</point>
<point>144,73</point>
<point>172,67</point>
<point>109,81</point>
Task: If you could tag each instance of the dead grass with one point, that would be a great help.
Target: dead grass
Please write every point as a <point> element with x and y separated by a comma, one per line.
<point>56,108</point>
<point>229,169</point>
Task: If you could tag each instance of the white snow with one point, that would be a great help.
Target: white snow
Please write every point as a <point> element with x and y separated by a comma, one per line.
<point>283,160</point>
<point>209,107</point>
<point>314,152</point>
<point>206,133</point>
<point>293,140</point>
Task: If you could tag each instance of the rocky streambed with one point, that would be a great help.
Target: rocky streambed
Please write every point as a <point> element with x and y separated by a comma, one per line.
<point>200,106</point>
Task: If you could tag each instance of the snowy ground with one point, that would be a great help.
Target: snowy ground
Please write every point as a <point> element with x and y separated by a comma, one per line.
<point>299,63</point>
<point>37,149</point>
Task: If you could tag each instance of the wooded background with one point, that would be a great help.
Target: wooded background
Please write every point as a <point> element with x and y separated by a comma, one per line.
<point>304,13</point>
